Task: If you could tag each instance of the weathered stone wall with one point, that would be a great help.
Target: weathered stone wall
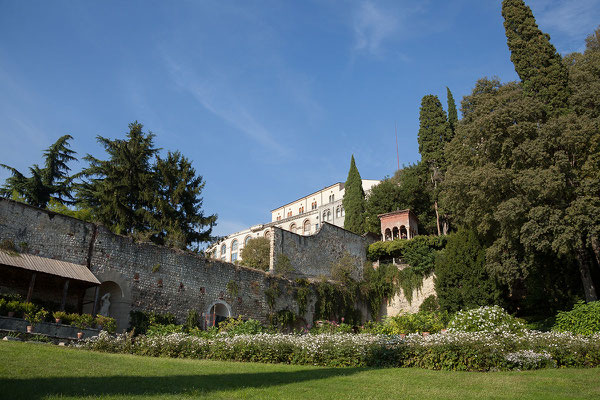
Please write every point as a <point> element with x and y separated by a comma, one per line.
<point>313,256</point>
<point>400,304</point>
<point>140,276</point>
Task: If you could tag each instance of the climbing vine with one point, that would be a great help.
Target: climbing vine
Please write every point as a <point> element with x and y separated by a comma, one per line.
<point>272,292</point>
<point>301,295</point>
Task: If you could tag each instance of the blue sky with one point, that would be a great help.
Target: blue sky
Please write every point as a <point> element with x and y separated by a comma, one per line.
<point>268,98</point>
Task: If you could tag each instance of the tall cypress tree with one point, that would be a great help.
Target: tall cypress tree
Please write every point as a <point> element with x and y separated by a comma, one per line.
<point>536,61</point>
<point>433,133</point>
<point>452,113</point>
<point>354,201</point>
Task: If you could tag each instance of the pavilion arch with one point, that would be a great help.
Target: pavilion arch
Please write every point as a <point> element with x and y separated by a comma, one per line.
<point>216,313</point>
<point>395,233</point>
<point>388,234</point>
<point>403,232</point>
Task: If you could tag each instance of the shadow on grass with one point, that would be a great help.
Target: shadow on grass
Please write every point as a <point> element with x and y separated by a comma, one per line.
<point>39,388</point>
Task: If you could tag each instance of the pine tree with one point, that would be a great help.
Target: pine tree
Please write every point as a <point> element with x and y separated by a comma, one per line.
<point>452,114</point>
<point>354,201</point>
<point>539,66</point>
<point>433,134</point>
<point>120,190</point>
<point>178,215</point>
<point>44,184</point>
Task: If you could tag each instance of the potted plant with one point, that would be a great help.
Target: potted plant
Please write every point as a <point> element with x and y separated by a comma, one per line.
<point>106,323</point>
<point>83,321</point>
<point>59,316</point>
<point>28,308</point>
<point>13,307</point>
<point>35,318</point>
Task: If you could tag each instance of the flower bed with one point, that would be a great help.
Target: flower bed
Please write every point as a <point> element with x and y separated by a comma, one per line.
<point>465,351</point>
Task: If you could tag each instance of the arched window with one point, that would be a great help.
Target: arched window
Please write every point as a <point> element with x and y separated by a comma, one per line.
<point>268,234</point>
<point>388,234</point>
<point>293,228</point>
<point>223,250</point>
<point>246,240</point>
<point>324,215</point>
<point>342,210</point>
<point>403,233</point>
<point>234,245</point>
<point>395,234</point>
<point>328,215</point>
<point>337,212</point>
<point>306,227</point>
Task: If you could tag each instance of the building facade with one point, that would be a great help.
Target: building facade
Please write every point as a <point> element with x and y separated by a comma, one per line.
<point>304,216</point>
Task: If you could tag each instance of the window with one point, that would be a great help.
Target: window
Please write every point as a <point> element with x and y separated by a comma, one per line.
<point>306,227</point>
<point>234,245</point>
<point>223,249</point>
<point>324,216</point>
<point>316,226</point>
<point>289,214</point>
<point>233,257</point>
<point>342,210</point>
<point>293,228</point>
<point>246,240</point>
<point>313,205</point>
<point>331,198</point>
<point>300,210</point>
<point>328,215</point>
<point>279,218</point>
<point>267,234</point>
<point>337,212</point>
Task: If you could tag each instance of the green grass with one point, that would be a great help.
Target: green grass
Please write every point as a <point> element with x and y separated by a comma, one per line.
<point>40,371</point>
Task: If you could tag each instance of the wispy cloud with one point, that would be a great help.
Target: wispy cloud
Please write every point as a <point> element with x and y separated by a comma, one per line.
<point>573,18</point>
<point>372,26</point>
<point>214,92</point>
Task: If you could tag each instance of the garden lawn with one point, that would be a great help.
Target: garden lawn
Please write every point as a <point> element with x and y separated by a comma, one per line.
<point>40,371</point>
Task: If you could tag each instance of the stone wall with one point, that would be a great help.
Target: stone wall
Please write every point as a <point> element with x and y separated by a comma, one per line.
<point>141,276</point>
<point>399,303</point>
<point>313,256</point>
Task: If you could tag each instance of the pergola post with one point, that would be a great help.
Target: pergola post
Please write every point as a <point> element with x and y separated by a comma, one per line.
<point>96,294</point>
<point>31,284</point>
<point>63,302</point>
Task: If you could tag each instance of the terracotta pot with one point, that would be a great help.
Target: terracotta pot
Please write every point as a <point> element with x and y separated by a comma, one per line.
<point>79,335</point>
<point>425,333</point>
<point>11,314</point>
<point>29,328</point>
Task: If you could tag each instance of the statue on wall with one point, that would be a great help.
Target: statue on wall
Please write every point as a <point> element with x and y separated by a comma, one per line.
<point>105,305</point>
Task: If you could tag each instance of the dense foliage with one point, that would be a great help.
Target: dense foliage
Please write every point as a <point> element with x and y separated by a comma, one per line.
<point>52,182</point>
<point>583,319</point>
<point>461,280</point>
<point>255,253</point>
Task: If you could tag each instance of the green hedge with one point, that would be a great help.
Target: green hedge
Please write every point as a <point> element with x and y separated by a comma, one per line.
<point>583,319</point>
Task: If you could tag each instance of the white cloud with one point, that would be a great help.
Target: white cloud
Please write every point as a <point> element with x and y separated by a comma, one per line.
<point>372,26</point>
<point>214,92</point>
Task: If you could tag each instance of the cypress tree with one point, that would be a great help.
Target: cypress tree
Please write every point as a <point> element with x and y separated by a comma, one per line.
<point>452,114</point>
<point>433,133</point>
<point>354,201</point>
<point>536,61</point>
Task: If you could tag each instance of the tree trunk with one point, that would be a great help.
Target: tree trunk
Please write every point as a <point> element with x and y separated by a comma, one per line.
<point>586,277</point>
<point>437,218</point>
<point>596,248</point>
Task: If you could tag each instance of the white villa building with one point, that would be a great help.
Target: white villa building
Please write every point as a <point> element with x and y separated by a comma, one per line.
<point>303,217</point>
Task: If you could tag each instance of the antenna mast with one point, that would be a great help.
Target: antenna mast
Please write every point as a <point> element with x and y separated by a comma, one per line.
<point>397,155</point>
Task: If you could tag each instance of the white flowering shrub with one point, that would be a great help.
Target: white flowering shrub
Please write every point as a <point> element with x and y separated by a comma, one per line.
<point>468,351</point>
<point>485,319</point>
<point>529,359</point>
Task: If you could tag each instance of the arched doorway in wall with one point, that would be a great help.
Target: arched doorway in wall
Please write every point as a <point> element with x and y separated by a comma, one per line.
<point>218,312</point>
<point>114,299</point>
